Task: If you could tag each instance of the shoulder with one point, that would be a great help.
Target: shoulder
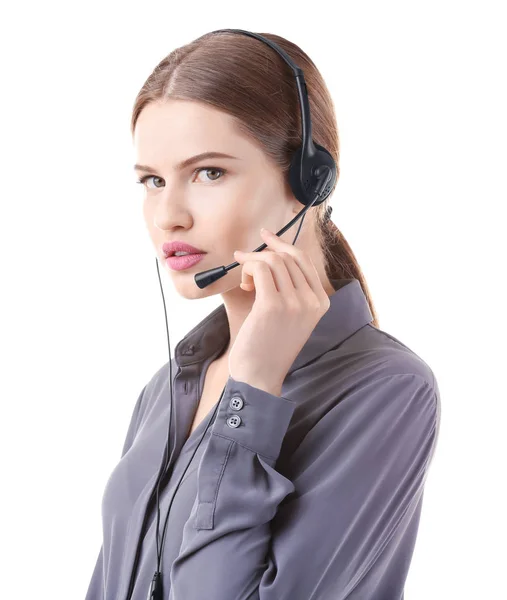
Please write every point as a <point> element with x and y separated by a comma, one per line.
<point>376,399</point>
<point>402,358</point>
<point>373,372</point>
<point>377,386</point>
<point>372,354</point>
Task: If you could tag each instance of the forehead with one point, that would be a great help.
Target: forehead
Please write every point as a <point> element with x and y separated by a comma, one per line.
<point>184,126</point>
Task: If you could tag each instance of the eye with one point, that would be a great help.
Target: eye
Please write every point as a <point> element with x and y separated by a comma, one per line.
<point>211,169</point>
<point>146,177</point>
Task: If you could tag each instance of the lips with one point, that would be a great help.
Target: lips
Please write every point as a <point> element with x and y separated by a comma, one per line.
<point>170,248</point>
<point>180,263</point>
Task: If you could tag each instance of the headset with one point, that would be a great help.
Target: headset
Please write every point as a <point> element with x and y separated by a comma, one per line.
<point>312,175</point>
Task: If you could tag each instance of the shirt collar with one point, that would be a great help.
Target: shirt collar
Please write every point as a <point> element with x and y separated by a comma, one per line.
<point>349,311</point>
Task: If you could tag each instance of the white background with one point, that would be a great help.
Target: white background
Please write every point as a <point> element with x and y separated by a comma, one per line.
<point>419,90</point>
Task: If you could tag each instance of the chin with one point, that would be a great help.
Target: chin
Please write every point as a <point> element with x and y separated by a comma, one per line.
<point>187,288</point>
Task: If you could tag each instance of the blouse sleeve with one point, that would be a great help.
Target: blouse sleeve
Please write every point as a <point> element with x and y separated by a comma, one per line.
<point>343,527</point>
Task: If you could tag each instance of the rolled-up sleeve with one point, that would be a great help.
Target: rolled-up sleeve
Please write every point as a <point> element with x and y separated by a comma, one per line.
<point>342,527</point>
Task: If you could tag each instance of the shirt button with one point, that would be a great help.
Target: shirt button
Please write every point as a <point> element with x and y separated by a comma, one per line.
<point>234,421</point>
<point>236,403</point>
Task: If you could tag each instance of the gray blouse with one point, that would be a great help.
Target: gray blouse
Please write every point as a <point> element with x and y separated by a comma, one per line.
<point>313,495</point>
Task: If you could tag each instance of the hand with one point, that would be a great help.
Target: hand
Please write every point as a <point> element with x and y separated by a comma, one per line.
<point>289,302</point>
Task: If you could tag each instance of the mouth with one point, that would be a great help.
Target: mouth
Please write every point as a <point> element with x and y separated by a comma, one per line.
<point>179,263</point>
<point>179,254</point>
<point>170,249</point>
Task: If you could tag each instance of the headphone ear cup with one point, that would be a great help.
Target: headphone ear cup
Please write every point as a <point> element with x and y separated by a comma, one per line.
<point>302,177</point>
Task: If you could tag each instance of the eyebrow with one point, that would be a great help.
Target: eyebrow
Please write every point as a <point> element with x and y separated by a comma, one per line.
<point>188,161</point>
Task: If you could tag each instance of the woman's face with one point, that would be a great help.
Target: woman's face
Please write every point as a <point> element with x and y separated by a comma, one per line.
<point>217,205</point>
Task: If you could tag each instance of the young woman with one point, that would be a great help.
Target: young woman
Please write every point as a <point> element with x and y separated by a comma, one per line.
<point>302,432</point>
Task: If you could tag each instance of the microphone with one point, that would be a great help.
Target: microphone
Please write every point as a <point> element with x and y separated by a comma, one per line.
<point>205,278</point>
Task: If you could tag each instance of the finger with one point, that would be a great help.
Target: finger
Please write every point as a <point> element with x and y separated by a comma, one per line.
<point>299,280</point>
<point>247,281</point>
<point>297,277</point>
<point>304,262</point>
<point>277,264</point>
<point>262,277</point>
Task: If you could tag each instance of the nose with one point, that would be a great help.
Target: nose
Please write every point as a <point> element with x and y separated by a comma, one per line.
<point>170,212</point>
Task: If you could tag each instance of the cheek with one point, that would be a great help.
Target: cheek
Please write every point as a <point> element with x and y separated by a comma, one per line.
<point>240,227</point>
<point>148,220</point>
<point>148,212</point>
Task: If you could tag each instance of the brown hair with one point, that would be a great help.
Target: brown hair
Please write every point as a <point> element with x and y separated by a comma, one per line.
<point>248,80</point>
